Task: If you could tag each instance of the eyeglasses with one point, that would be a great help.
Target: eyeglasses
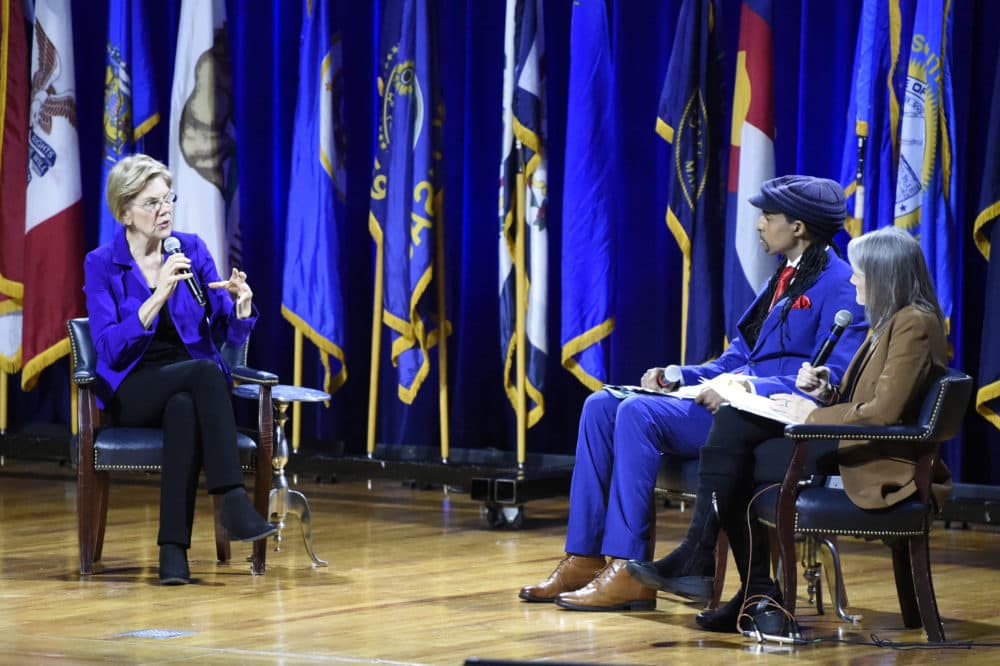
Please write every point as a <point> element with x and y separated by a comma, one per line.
<point>154,205</point>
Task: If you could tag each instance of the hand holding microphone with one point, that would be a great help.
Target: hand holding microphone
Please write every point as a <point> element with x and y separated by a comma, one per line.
<point>172,246</point>
<point>814,378</point>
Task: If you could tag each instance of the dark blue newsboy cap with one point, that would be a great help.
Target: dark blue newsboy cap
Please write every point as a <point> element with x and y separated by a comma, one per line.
<point>818,202</point>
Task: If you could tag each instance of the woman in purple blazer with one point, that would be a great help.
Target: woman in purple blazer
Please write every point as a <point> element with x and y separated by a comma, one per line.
<point>157,360</point>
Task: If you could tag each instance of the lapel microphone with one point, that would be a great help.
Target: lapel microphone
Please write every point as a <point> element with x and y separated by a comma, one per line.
<point>841,321</point>
<point>173,246</point>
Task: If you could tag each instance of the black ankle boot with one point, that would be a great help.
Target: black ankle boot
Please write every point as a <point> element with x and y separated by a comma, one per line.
<point>174,565</point>
<point>760,613</point>
<point>241,519</point>
<point>689,570</point>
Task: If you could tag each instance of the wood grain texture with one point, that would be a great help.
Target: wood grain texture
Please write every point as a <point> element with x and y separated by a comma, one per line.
<point>413,579</point>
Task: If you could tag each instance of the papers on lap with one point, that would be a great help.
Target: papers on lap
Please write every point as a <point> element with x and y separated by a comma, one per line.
<point>729,386</point>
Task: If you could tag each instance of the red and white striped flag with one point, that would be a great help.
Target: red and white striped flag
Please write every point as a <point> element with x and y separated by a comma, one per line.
<point>13,182</point>
<point>53,242</point>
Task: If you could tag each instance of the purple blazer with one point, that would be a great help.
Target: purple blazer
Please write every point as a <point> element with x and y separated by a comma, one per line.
<point>115,289</point>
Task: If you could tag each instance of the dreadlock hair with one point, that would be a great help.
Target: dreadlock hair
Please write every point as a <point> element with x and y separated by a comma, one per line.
<point>812,264</point>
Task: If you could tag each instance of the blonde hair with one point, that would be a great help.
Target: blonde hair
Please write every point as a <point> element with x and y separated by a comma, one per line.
<point>129,177</point>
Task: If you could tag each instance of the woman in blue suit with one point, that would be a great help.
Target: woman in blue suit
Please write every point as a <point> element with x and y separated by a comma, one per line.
<point>157,359</point>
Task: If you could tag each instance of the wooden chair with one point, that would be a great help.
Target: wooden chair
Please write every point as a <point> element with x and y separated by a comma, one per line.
<point>797,508</point>
<point>102,449</point>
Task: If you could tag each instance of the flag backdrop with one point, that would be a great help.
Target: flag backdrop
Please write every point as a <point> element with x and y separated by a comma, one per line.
<point>688,120</point>
<point>53,241</point>
<point>131,108</point>
<point>406,192</point>
<point>591,196</point>
<point>202,134</point>
<point>925,182</point>
<point>874,108</point>
<point>987,236</point>
<point>751,160</point>
<point>312,294</point>
<point>14,71</point>
<point>524,121</point>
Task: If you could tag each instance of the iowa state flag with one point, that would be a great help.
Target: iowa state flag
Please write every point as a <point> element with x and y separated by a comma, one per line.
<point>689,121</point>
<point>591,196</point>
<point>751,160</point>
<point>53,241</point>
<point>312,293</point>
<point>524,122</point>
<point>131,108</point>
<point>406,194</point>
<point>14,73</point>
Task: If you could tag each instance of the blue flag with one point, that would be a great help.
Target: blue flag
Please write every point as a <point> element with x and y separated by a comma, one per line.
<point>131,108</point>
<point>524,125</point>
<point>312,293</point>
<point>925,189</point>
<point>406,193</point>
<point>867,169</point>
<point>591,197</point>
<point>689,120</point>
<point>987,236</point>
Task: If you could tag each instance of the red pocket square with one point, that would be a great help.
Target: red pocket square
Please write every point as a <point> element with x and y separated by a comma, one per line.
<point>801,303</point>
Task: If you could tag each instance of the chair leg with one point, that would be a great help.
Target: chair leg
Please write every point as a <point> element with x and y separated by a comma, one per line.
<point>924,588</point>
<point>903,571</point>
<point>721,561</point>
<point>223,552</point>
<point>789,582</point>
<point>85,517</point>
<point>261,495</point>
<point>103,481</point>
<point>837,587</point>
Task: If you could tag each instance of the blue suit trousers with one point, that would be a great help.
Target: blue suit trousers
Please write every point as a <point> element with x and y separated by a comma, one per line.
<point>617,455</point>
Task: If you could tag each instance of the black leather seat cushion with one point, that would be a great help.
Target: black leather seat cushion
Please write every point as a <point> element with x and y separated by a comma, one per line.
<point>141,449</point>
<point>830,511</point>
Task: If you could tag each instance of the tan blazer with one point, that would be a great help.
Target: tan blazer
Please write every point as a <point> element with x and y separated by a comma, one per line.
<point>893,373</point>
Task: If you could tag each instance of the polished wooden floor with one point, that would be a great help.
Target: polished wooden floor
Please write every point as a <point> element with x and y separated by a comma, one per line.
<point>413,579</point>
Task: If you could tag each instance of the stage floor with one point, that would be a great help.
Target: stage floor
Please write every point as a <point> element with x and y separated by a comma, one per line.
<point>414,578</point>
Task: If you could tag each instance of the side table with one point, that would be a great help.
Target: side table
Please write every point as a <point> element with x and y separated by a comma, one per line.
<point>284,501</point>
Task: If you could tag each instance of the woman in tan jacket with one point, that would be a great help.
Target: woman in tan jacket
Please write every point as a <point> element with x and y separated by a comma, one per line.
<point>885,384</point>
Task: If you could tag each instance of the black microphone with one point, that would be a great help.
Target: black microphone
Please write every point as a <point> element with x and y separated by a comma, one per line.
<point>172,246</point>
<point>841,321</point>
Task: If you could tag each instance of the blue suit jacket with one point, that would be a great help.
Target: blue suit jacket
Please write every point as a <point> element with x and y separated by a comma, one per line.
<point>782,346</point>
<point>115,289</point>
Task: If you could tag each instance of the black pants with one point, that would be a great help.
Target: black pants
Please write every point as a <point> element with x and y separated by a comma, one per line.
<point>190,402</point>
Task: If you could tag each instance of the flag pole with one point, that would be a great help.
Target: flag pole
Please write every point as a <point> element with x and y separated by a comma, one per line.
<point>442,333</point>
<point>3,402</point>
<point>297,381</point>
<point>376,348</point>
<point>521,306</point>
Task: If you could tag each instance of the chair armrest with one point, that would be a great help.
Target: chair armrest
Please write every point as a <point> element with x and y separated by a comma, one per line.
<point>858,432</point>
<point>84,376</point>
<point>247,375</point>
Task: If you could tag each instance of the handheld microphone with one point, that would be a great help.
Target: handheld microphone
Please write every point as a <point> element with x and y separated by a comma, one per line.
<point>172,246</point>
<point>841,321</point>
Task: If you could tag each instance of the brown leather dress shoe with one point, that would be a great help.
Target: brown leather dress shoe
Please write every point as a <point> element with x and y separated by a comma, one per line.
<point>613,590</point>
<point>573,572</point>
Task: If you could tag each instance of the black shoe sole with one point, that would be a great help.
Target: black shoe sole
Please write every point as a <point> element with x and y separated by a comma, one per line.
<point>642,605</point>
<point>174,580</point>
<point>695,588</point>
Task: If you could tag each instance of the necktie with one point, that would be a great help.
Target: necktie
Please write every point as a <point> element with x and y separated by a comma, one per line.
<point>787,273</point>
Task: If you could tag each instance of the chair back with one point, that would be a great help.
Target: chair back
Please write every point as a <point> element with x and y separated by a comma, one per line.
<point>82,348</point>
<point>944,407</point>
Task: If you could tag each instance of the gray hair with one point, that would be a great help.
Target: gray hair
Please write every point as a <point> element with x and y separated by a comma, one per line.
<point>129,177</point>
<point>895,273</point>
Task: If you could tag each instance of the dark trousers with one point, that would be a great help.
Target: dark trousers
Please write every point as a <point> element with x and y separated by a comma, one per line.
<point>190,402</point>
